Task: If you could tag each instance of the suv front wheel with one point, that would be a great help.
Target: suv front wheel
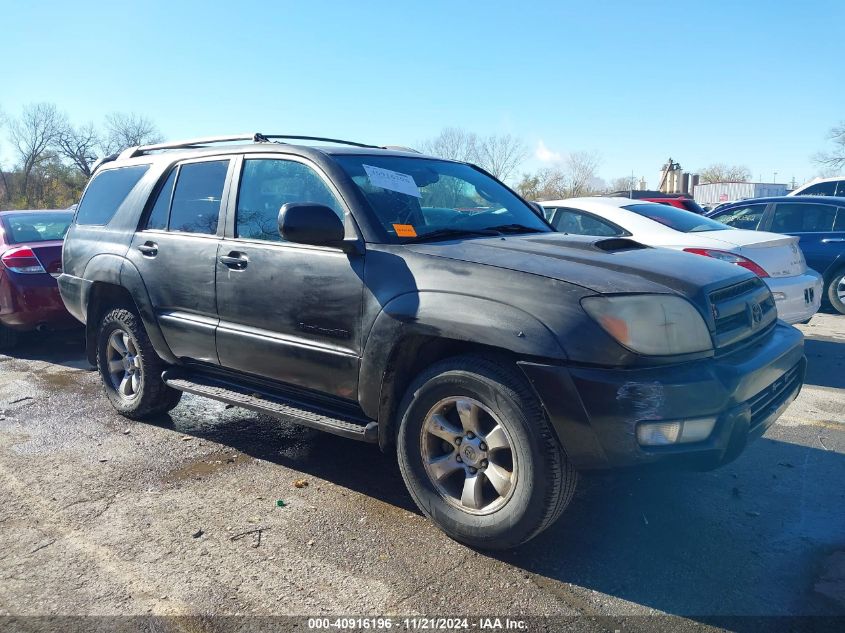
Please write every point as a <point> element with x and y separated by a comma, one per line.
<point>478,455</point>
<point>130,368</point>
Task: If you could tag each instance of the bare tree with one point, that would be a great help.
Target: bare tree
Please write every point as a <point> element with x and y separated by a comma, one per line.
<point>719,172</point>
<point>834,160</point>
<point>77,144</point>
<point>125,130</point>
<point>501,155</point>
<point>32,136</point>
<point>581,170</point>
<point>625,183</point>
<point>453,143</point>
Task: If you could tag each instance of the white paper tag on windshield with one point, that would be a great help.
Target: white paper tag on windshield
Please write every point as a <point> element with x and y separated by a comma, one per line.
<point>392,180</point>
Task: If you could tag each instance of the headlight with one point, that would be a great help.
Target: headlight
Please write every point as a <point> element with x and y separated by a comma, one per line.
<point>655,325</point>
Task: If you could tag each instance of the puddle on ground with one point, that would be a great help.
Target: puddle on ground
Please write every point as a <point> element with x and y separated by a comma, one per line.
<point>206,466</point>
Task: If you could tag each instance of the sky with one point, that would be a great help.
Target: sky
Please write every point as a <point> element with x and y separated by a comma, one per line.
<point>751,83</point>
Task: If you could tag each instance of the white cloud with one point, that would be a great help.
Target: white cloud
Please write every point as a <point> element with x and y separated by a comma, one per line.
<point>545,155</point>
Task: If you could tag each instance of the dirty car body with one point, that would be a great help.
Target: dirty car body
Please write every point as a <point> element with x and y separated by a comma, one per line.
<point>432,276</point>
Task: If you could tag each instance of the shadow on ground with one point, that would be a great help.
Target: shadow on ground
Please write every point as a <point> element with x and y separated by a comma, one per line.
<point>825,362</point>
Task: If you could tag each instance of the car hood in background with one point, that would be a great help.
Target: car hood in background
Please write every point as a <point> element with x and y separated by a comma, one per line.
<point>599,264</point>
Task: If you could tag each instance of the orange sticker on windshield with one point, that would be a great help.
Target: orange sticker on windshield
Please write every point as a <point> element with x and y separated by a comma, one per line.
<point>404,230</point>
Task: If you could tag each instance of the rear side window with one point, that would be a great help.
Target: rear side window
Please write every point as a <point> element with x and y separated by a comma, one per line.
<point>106,193</point>
<point>674,218</point>
<point>820,189</point>
<point>798,217</point>
<point>197,197</point>
<point>839,224</point>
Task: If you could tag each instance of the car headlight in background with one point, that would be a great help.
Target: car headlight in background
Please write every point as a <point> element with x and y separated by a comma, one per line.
<point>654,325</point>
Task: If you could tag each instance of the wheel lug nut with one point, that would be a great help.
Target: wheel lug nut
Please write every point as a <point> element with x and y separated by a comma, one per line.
<point>482,446</point>
<point>458,440</point>
<point>484,463</point>
<point>470,435</point>
<point>473,470</point>
<point>459,458</point>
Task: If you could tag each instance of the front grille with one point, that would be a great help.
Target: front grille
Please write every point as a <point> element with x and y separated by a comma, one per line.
<point>741,314</point>
<point>774,395</point>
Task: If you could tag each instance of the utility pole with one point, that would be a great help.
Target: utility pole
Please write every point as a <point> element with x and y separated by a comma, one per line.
<point>774,177</point>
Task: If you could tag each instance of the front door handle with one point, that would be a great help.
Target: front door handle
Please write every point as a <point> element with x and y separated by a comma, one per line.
<point>829,240</point>
<point>148,249</point>
<point>235,260</point>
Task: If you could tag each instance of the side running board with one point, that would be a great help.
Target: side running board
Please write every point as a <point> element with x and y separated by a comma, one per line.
<point>272,404</point>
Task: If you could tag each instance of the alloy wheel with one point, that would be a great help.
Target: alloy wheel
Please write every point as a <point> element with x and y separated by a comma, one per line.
<point>124,364</point>
<point>468,455</point>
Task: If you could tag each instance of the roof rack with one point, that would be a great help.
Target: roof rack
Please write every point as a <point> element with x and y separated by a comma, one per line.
<point>256,137</point>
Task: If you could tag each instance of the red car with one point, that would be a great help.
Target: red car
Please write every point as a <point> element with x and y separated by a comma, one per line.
<point>680,202</point>
<point>30,262</point>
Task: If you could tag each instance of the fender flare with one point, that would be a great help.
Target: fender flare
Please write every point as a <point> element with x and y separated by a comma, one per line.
<point>451,316</point>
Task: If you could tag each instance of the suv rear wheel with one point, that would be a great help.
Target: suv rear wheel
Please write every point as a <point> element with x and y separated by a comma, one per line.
<point>836,291</point>
<point>479,456</point>
<point>130,368</point>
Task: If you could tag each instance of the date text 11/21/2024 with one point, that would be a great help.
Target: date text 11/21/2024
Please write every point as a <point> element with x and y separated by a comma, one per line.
<point>418,624</point>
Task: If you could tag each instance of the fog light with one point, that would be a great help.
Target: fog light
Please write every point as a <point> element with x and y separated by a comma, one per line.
<point>677,432</point>
<point>658,433</point>
<point>779,296</point>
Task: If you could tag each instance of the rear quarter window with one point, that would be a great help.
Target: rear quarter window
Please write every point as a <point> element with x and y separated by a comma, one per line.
<point>106,193</point>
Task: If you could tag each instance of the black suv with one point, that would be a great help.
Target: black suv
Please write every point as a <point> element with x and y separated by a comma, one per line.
<point>419,303</point>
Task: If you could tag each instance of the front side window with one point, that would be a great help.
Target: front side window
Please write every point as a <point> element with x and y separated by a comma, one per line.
<point>106,193</point>
<point>674,218</point>
<point>267,185</point>
<point>36,227</point>
<point>799,217</point>
<point>196,199</point>
<point>747,217</point>
<point>578,223</point>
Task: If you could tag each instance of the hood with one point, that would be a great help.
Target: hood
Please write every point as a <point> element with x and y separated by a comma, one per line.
<point>605,266</point>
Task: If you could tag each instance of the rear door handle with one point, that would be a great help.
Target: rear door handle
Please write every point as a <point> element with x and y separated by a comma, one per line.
<point>148,249</point>
<point>828,240</point>
<point>235,260</point>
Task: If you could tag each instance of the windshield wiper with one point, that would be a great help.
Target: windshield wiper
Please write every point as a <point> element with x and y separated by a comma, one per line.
<point>514,228</point>
<point>444,233</point>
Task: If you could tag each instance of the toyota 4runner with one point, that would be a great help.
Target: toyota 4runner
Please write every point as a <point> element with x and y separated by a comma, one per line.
<point>419,303</point>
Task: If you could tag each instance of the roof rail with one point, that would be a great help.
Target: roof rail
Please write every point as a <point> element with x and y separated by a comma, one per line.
<point>256,137</point>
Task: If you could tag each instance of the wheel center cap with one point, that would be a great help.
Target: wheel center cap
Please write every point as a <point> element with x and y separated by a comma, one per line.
<point>471,452</point>
<point>127,363</point>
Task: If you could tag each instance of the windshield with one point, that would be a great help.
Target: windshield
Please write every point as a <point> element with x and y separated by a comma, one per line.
<point>37,227</point>
<point>674,218</point>
<point>418,197</point>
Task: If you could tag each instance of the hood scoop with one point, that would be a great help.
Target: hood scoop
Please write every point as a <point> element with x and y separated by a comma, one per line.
<point>605,245</point>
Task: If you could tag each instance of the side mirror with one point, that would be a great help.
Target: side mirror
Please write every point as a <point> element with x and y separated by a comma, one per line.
<point>310,223</point>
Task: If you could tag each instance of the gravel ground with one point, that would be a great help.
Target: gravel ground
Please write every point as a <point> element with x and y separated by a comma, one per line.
<point>179,516</point>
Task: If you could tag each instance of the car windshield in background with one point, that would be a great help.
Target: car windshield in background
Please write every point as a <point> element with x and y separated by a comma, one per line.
<point>674,218</point>
<point>37,227</point>
<point>419,198</point>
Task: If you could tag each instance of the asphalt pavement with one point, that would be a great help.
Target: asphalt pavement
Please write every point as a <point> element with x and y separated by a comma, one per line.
<point>213,510</point>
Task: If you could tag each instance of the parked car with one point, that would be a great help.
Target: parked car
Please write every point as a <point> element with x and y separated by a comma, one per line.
<point>822,187</point>
<point>419,303</point>
<point>679,202</point>
<point>777,259</point>
<point>30,262</point>
<point>818,222</point>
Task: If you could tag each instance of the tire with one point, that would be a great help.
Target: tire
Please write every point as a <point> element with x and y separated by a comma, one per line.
<point>136,390</point>
<point>834,288</point>
<point>8,338</point>
<point>472,392</point>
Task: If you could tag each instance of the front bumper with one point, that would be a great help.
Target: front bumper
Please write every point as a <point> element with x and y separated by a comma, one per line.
<point>595,411</point>
<point>797,298</point>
